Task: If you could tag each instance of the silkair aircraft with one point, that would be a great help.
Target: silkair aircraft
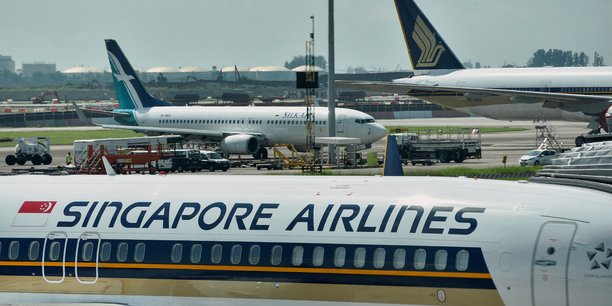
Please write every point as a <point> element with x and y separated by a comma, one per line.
<point>239,130</point>
<point>194,240</point>
<point>563,93</point>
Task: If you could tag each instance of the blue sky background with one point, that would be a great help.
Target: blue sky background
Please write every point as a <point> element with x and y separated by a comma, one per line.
<point>210,33</point>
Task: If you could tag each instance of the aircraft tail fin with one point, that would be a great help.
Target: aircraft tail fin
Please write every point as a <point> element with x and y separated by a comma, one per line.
<point>130,91</point>
<point>426,48</point>
<point>393,160</point>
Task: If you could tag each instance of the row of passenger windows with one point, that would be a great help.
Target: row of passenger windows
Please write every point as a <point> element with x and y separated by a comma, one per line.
<point>273,122</point>
<point>339,257</point>
<point>564,89</point>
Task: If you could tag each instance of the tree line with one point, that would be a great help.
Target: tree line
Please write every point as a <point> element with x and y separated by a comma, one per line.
<point>561,58</point>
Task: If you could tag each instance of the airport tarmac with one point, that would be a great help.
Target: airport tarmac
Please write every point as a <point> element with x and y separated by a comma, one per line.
<point>494,145</point>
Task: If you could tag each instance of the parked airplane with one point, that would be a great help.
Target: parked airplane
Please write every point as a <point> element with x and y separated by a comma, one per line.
<point>194,240</point>
<point>239,130</point>
<point>562,93</point>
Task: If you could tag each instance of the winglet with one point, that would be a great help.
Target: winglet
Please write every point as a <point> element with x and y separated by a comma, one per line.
<point>107,167</point>
<point>426,48</point>
<point>393,161</point>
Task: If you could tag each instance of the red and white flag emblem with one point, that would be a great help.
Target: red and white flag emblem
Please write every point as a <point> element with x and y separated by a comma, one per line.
<point>34,213</point>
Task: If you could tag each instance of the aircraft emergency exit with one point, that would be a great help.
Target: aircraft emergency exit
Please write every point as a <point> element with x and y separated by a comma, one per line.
<point>239,130</point>
<point>292,240</point>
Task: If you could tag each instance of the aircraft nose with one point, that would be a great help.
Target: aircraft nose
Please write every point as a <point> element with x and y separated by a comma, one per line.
<point>378,131</point>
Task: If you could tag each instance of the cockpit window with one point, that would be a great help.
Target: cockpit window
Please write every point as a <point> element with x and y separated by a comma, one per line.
<point>364,121</point>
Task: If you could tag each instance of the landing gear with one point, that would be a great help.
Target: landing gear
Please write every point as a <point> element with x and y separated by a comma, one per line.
<point>262,153</point>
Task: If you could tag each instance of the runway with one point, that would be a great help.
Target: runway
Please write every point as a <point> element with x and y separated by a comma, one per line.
<point>494,145</point>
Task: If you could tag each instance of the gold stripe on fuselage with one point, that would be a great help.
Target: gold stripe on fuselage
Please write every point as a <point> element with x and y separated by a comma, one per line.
<point>108,265</point>
<point>256,290</point>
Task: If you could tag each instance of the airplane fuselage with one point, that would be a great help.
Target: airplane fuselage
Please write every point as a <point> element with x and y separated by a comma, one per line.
<point>195,240</point>
<point>279,125</point>
<point>566,80</point>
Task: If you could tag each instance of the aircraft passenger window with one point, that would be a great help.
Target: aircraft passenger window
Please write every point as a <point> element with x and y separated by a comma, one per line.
<point>420,256</point>
<point>105,251</point>
<point>462,260</point>
<point>339,257</point>
<point>298,256</point>
<point>139,252</point>
<point>54,251</point>
<point>277,255</point>
<point>254,253</point>
<point>196,253</point>
<point>440,260</point>
<point>215,253</point>
<point>317,256</point>
<point>236,254</point>
<point>399,259</point>
<point>87,252</point>
<point>379,258</point>
<point>122,252</point>
<point>359,258</point>
<point>177,253</point>
<point>34,249</point>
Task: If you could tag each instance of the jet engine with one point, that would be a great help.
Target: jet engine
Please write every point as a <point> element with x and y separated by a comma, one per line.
<point>240,144</point>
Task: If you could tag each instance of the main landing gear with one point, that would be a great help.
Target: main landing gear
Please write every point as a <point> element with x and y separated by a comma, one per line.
<point>262,153</point>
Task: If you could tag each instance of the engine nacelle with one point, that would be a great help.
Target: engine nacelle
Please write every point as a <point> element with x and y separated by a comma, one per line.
<point>240,144</point>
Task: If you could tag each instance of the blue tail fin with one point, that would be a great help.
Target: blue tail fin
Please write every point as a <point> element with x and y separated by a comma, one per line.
<point>130,92</point>
<point>427,49</point>
<point>393,161</point>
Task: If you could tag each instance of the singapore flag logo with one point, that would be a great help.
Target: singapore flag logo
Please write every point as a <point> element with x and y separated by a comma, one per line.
<point>34,213</point>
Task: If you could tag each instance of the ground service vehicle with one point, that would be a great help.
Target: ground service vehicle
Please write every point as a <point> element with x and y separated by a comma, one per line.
<point>538,157</point>
<point>186,160</point>
<point>213,161</point>
<point>114,145</point>
<point>427,148</point>
<point>30,149</point>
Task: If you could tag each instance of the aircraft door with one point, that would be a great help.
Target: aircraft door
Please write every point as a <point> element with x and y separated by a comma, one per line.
<point>54,257</point>
<point>550,264</point>
<point>86,258</point>
<point>340,126</point>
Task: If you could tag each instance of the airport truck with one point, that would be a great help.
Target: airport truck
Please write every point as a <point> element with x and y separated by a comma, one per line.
<point>34,149</point>
<point>429,148</point>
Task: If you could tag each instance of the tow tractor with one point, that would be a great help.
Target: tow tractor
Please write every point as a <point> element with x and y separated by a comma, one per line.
<point>34,149</point>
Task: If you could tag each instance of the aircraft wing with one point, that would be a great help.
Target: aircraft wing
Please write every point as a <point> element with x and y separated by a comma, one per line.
<point>588,104</point>
<point>178,131</point>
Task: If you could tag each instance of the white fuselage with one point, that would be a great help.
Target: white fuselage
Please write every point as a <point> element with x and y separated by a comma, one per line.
<point>289,240</point>
<point>569,80</point>
<point>279,125</point>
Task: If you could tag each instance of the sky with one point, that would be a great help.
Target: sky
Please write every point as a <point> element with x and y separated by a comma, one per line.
<point>247,33</point>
